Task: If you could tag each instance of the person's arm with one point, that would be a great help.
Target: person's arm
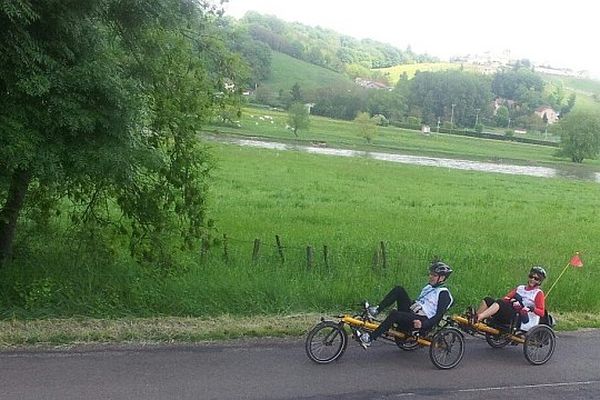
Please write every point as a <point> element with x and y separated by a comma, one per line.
<point>540,304</point>
<point>443,304</point>
<point>510,295</point>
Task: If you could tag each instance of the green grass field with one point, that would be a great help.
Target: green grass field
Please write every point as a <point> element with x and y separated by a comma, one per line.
<point>396,71</point>
<point>286,71</point>
<point>337,133</point>
<point>490,227</point>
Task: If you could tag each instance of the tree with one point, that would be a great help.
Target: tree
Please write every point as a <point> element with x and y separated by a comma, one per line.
<point>502,117</point>
<point>432,94</point>
<point>100,102</point>
<point>298,117</point>
<point>367,127</point>
<point>569,106</point>
<point>580,135</point>
<point>296,93</point>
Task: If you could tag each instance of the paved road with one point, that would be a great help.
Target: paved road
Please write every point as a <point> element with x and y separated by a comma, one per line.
<point>277,369</point>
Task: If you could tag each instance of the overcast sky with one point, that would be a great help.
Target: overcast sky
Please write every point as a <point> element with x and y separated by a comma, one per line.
<point>562,34</point>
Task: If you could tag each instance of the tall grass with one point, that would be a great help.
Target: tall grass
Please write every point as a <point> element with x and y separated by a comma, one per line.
<point>491,228</point>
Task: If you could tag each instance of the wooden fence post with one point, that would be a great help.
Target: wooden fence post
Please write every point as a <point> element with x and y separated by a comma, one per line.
<point>309,257</point>
<point>280,248</point>
<point>255,250</point>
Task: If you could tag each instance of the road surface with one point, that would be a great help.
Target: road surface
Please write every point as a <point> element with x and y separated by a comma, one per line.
<point>279,369</point>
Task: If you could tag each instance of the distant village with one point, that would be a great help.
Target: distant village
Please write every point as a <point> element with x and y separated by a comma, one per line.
<point>487,63</point>
<point>490,63</point>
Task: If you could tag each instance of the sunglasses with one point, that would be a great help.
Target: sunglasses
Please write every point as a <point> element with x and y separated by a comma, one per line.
<point>535,277</point>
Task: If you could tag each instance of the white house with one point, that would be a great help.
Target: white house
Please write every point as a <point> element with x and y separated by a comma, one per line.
<point>551,115</point>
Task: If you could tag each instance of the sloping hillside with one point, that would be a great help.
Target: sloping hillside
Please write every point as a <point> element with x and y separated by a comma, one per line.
<point>286,70</point>
<point>396,71</point>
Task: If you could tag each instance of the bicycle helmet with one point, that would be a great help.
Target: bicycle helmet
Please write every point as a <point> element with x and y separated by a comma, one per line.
<point>440,268</point>
<point>539,270</point>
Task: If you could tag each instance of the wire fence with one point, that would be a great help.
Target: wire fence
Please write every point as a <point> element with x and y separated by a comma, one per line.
<point>378,255</point>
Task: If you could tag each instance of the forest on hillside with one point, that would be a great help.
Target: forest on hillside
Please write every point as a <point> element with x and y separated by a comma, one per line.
<point>450,98</point>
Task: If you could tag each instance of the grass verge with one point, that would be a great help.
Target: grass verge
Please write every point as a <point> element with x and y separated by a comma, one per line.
<point>73,331</point>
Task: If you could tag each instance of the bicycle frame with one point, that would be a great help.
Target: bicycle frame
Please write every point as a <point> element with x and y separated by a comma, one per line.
<point>483,328</point>
<point>358,323</point>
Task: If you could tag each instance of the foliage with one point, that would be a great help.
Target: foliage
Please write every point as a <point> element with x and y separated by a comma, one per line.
<point>324,47</point>
<point>367,126</point>
<point>316,200</point>
<point>99,109</point>
<point>432,95</point>
<point>501,118</point>
<point>580,135</point>
<point>298,117</point>
<point>340,102</point>
<point>255,53</point>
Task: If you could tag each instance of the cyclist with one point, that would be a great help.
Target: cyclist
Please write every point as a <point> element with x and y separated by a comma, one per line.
<point>527,299</point>
<point>422,314</point>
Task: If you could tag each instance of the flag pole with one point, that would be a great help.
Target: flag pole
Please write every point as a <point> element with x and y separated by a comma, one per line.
<point>554,283</point>
<point>575,261</point>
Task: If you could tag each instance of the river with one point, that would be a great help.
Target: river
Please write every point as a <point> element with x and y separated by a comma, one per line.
<point>528,170</point>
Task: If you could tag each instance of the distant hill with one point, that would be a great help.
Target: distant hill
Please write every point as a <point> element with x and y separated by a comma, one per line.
<point>287,70</point>
<point>588,87</point>
<point>394,73</point>
<point>325,47</point>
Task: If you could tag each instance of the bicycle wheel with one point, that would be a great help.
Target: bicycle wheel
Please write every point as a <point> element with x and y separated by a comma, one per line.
<point>447,348</point>
<point>326,342</point>
<point>496,341</point>
<point>539,345</point>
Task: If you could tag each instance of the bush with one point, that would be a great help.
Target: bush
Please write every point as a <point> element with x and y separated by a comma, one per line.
<point>413,121</point>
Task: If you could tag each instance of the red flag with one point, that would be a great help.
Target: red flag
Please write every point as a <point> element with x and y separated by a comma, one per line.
<point>576,261</point>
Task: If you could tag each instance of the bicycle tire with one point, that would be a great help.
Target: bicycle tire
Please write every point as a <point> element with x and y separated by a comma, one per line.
<point>326,342</point>
<point>447,348</point>
<point>540,343</point>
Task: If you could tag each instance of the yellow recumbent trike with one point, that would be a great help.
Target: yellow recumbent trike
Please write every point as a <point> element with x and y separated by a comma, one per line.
<point>327,341</point>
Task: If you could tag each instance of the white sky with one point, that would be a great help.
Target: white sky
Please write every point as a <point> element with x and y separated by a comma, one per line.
<point>559,33</point>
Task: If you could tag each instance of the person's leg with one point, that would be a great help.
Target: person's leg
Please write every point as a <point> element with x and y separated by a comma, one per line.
<point>398,295</point>
<point>488,312</point>
<point>485,303</point>
<point>401,318</point>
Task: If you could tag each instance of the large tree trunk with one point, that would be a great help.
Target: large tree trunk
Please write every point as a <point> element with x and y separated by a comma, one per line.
<point>10,212</point>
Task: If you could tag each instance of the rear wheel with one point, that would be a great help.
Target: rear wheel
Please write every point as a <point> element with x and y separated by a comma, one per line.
<point>447,348</point>
<point>326,342</point>
<point>540,342</point>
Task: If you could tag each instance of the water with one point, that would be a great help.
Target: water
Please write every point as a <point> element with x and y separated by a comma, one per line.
<point>543,172</point>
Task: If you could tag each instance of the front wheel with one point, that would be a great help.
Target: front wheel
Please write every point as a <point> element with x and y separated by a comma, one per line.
<point>447,348</point>
<point>326,342</point>
<point>540,342</point>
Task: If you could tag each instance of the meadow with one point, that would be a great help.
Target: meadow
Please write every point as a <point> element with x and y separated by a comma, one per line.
<point>271,124</point>
<point>491,228</point>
